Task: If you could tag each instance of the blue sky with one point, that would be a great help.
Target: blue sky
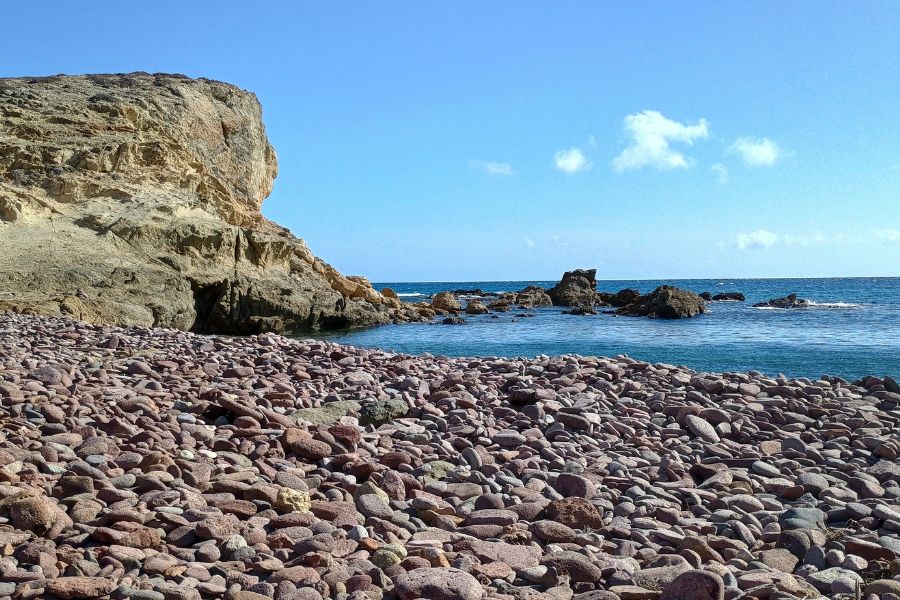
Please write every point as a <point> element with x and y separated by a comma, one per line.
<point>515,140</point>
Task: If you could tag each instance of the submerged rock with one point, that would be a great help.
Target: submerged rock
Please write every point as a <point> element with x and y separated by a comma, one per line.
<point>789,301</point>
<point>729,296</point>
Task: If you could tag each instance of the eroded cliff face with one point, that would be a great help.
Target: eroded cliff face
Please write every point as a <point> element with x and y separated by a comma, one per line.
<point>135,199</point>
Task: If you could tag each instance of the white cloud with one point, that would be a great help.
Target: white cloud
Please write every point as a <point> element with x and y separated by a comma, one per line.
<point>530,242</point>
<point>758,152</point>
<point>761,238</point>
<point>571,161</point>
<point>493,168</point>
<point>592,141</point>
<point>722,172</point>
<point>651,135</point>
<point>888,235</point>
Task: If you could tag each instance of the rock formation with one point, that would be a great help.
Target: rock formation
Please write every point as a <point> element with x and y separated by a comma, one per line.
<point>729,297</point>
<point>445,301</point>
<point>476,307</point>
<point>135,199</point>
<point>623,297</point>
<point>666,302</point>
<point>789,301</point>
<point>577,288</point>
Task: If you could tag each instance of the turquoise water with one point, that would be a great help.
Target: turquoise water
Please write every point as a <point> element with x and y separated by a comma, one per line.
<point>851,329</point>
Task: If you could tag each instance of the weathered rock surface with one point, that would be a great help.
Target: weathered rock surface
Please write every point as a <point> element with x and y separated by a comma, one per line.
<point>576,288</point>
<point>135,199</point>
<point>666,302</point>
<point>621,298</point>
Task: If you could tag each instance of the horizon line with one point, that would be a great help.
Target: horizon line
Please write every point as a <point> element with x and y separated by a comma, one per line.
<point>793,277</point>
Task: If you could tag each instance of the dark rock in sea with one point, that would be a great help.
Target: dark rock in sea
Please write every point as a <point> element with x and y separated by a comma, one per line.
<point>581,310</point>
<point>524,315</point>
<point>576,288</point>
<point>473,292</point>
<point>621,298</point>
<point>789,301</point>
<point>666,302</point>
<point>475,307</point>
<point>453,321</point>
<point>706,296</point>
<point>729,296</point>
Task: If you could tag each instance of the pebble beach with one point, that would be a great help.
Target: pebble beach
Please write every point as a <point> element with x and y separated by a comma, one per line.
<point>156,464</point>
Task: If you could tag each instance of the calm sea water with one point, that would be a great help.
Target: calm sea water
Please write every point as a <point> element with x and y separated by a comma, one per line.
<point>852,328</point>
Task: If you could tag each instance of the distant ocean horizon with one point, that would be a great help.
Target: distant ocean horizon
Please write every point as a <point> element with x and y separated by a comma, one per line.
<point>851,328</point>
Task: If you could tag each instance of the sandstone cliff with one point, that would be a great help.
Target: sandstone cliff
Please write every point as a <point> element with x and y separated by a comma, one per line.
<point>135,199</point>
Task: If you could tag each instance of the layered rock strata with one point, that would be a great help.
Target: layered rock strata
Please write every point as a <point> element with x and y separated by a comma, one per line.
<point>135,199</point>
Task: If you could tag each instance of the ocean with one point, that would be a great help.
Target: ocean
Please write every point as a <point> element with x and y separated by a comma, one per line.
<point>851,328</point>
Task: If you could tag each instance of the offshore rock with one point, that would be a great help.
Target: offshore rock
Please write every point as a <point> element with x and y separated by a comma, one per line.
<point>576,288</point>
<point>134,199</point>
<point>789,301</point>
<point>666,302</point>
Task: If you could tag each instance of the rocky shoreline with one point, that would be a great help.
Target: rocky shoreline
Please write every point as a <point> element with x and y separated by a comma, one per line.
<point>156,464</point>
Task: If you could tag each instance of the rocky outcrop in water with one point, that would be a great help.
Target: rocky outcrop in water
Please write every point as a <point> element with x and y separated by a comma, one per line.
<point>666,302</point>
<point>576,288</point>
<point>729,297</point>
<point>789,301</point>
<point>135,199</point>
<point>621,298</point>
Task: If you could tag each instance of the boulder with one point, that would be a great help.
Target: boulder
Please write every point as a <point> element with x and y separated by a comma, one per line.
<point>134,199</point>
<point>576,288</point>
<point>581,311</point>
<point>729,297</point>
<point>706,296</point>
<point>476,307</point>
<point>789,301</point>
<point>445,301</point>
<point>440,583</point>
<point>695,585</point>
<point>666,302</point>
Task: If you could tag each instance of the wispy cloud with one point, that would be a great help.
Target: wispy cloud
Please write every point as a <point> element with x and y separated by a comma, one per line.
<point>530,243</point>
<point>722,172</point>
<point>571,161</point>
<point>493,168</point>
<point>816,237</point>
<point>761,238</point>
<point>757,152</point>
<point>651,136</point>
<point>888,235</point>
